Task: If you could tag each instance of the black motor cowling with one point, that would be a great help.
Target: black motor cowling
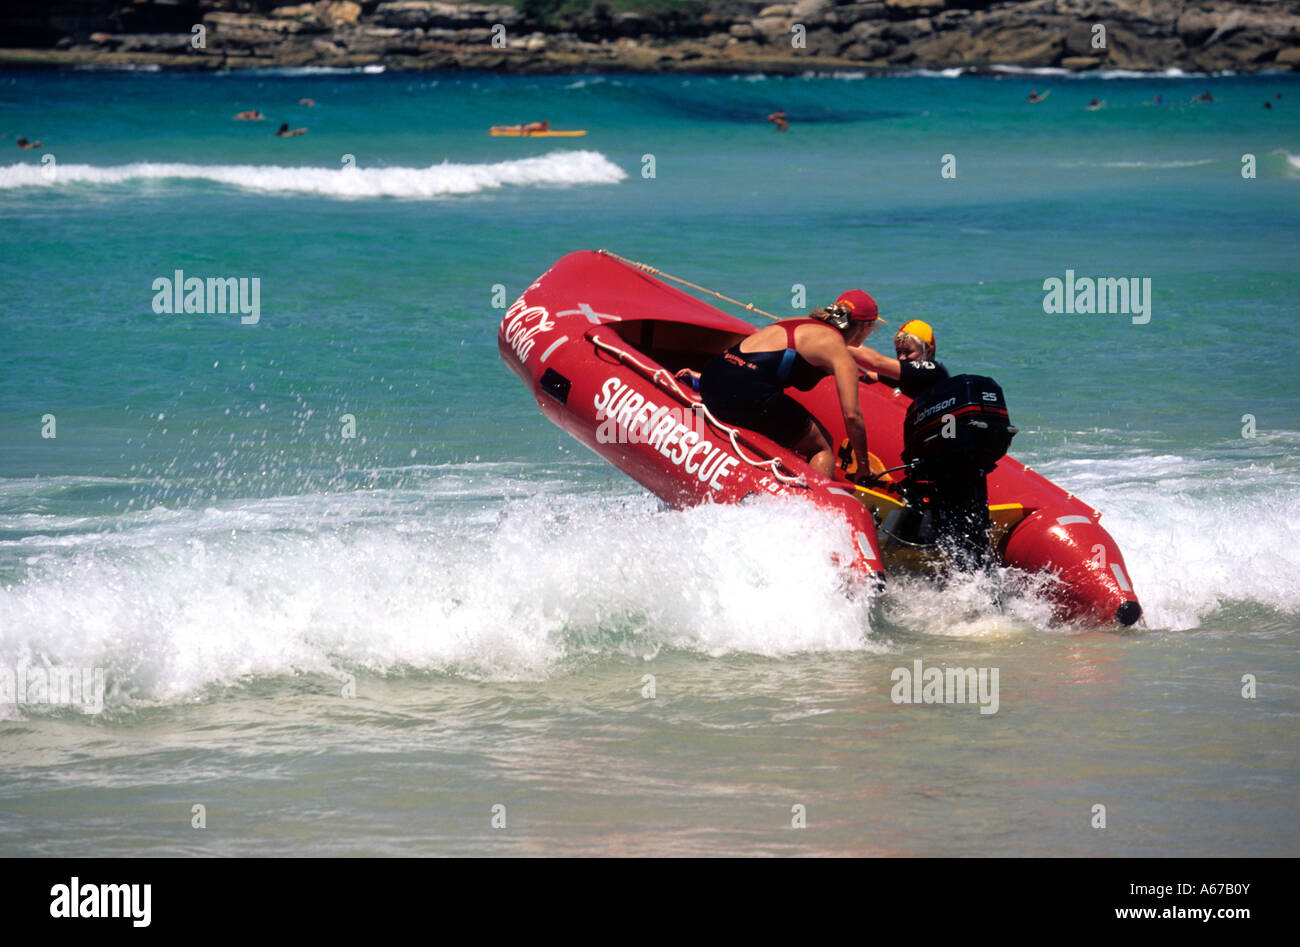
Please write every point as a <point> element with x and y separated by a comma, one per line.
<point>962,421</point>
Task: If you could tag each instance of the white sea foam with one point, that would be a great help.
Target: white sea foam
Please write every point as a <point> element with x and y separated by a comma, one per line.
<point>1157,164</point>
<point>1031,70</point>
<point>1171,73</point>
<point>951,72</point>
<point>1053,72</point>
<point>1062,73</point>
<point>445,576</point>
<point>123,67</point>
<point>440,180</point>
<point>1154,165</point>
<point>1196,534</point>
<point>843,75</point>
<point>1286,164</point>
<point>373,69</point>
<point>214,598</point>
<point>980,605</point>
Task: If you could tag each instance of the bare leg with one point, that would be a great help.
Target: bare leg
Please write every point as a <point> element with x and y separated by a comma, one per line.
<point>817,449</point>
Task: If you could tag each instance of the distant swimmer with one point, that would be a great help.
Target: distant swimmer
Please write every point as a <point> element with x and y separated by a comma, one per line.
<point>1033,96</point>
<point>252,115</point>
<point>307,102</point>
<point>284,131</point>
<point>1204,97</point>
<point>779,120</point>
<point>1268,105</point>
<point>1095,104</point>
<point>1159,100</point>
<point>529,129</point>
<point>24,143</point>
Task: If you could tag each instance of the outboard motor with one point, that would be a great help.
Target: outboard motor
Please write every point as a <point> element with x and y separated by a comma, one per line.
<point>953,436</point>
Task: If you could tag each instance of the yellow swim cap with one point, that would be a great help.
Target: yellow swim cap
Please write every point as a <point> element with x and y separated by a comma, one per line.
<point>919,329</point>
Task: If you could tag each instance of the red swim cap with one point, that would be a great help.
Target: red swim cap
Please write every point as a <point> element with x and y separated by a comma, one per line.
<point>861,307</point>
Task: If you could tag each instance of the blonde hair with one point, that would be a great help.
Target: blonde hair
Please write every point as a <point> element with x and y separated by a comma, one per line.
<point>927,348</point>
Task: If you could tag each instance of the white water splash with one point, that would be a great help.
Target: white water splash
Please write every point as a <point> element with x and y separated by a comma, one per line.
<point>171,605</point>
<point>441,180</point>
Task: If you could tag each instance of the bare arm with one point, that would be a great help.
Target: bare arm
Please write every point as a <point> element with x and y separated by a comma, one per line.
<point>827,350</point>
<point>873,361</point>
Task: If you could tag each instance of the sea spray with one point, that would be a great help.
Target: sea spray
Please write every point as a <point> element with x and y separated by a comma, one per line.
<point>516,595</point>
<point>440,180</point>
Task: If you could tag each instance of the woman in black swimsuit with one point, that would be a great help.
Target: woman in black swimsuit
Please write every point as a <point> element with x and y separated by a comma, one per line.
<point>745,385</point>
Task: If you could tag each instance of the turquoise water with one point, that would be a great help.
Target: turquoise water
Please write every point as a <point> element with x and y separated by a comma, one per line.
<point>494,595</point>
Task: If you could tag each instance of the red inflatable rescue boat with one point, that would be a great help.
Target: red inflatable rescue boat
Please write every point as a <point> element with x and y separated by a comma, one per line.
<point>599,342</point>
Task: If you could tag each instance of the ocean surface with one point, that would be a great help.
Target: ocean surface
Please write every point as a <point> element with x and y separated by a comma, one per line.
<point>459,632</point>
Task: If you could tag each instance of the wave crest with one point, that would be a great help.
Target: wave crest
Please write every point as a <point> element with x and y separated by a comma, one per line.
<point>439,180</point>
<point>177,604</point>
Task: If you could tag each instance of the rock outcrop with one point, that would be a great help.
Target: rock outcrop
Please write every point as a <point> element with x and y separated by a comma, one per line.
<point>729,36</point>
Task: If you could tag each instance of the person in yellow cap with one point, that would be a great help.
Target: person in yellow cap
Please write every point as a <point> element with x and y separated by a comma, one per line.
<point>953,486</point>
<point>914,371</point>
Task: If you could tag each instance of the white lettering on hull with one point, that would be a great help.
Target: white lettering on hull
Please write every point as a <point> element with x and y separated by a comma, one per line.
<point>522,324</point>
<point>624,415</point>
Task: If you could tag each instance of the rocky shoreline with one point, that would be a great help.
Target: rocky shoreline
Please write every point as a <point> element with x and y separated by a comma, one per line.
<point>688,36</point>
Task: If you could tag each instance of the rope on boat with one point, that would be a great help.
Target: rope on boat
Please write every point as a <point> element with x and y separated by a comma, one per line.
<point>647,268</point>
<point>675,388</point>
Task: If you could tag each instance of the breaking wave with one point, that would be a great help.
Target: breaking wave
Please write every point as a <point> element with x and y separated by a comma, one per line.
<point>440,180</point>
<point>174,603</point>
